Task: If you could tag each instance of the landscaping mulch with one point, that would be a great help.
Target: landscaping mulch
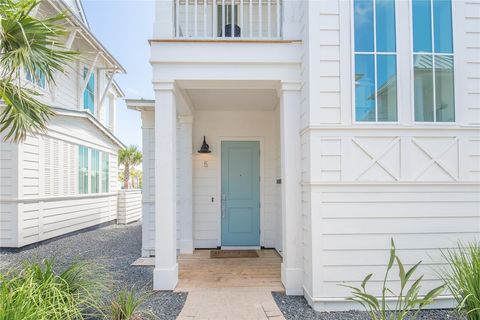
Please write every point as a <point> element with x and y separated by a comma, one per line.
<point>297,308</point>
<point>115,248</point>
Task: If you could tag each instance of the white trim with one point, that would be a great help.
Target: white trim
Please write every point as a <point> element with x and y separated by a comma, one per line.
<point>262,181</point>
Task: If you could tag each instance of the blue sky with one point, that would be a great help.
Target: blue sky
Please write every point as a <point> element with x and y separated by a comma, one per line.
<point>124,28</point>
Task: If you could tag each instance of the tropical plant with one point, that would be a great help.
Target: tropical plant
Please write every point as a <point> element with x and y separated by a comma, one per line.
<point>407,299</point>
<point>37,292</point>
<point>125,306</point>
<point>462,276</point>
<point>136,177</point>
<point>129,158</point>
<point>32,45</point>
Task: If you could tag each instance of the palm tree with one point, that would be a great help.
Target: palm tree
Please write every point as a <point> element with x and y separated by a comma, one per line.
<point>129,158</point>
<point>28,45</point>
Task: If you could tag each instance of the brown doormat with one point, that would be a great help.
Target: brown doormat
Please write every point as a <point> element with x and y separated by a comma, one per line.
<point>233,254</point>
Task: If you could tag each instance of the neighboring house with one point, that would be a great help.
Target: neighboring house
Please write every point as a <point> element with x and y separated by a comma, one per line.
<point>333,126</point>
<point>66,179</point>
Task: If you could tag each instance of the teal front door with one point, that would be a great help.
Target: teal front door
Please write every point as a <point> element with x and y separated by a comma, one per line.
<point>240,193</point>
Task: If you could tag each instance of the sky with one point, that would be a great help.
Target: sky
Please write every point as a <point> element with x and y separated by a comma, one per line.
<point>124,27</point>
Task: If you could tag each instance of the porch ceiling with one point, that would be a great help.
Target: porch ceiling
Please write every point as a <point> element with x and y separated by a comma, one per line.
<point>233,99</point>
<point>230,95</point>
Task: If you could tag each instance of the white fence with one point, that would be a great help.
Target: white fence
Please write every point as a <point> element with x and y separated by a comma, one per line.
<point>228,19</point>
<point>129,206</point>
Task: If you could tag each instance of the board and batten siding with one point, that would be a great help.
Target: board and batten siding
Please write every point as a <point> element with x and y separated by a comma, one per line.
<point>366,183</point>
<point>46,203</point>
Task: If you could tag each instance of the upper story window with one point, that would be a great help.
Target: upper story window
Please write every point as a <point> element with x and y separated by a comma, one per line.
<point>433,61</point>
<point>89,92</point>
<point>38,79</point>
<point>375,59</point>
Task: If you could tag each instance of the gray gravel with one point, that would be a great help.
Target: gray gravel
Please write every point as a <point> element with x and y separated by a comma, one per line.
<point>296,307</point>
<point>115,247</point>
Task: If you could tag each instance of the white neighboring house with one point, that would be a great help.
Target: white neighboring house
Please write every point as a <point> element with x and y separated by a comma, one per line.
<point>65,180</point>
<point>333,126</point>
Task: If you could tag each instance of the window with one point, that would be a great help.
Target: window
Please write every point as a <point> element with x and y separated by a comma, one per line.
<point>433,61</point>
<point>94,171</point>
<point>38,80</point>
<point>89,93</point>
<point>375,60</point>
<point>82,170</point>
<point>105,171</point>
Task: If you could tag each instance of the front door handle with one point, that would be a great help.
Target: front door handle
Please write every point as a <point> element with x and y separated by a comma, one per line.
<point>223,204</point>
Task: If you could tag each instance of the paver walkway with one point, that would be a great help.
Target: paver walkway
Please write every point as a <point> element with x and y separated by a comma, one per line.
<point>238,288</point>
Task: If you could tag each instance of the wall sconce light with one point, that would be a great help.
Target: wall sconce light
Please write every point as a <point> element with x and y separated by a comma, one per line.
<point>205,148</point>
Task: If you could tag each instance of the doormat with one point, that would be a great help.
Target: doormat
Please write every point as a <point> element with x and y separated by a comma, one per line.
<point>214,254</point>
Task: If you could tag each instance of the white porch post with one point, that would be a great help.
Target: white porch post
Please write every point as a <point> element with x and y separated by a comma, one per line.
<point>292,269</point>
<point>165,274</point>
<point>186,197</point>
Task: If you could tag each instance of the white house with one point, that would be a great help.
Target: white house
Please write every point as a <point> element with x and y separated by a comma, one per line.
<point>65,180</point>
<point>333,126</point>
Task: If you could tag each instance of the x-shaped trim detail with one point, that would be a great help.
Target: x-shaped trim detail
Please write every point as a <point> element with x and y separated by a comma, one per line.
<point>375,160</point>
<point>435,159</point>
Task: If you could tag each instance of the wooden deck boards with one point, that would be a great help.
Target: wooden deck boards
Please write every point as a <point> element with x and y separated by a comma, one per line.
<point>198,271</point>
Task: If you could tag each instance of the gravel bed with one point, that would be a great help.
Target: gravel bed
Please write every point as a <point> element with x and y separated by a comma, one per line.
<point>296,307</point>
<point>114,247</point>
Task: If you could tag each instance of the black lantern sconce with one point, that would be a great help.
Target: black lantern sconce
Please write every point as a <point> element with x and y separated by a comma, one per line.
<point>205,148</point>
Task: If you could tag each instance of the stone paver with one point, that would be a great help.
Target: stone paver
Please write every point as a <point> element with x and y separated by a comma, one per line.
<point>230,289</point>
<point>230,304</point>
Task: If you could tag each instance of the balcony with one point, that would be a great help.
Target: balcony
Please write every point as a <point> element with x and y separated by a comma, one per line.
<point>228,19</point>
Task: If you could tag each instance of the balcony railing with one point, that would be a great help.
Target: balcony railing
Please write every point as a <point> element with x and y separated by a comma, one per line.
<point>228,19</point>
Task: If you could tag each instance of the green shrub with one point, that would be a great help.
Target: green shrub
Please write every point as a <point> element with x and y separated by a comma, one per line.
<point>407,299</point>
<point>37,292</point>
<point>125,305</point>
<point>462,277</point>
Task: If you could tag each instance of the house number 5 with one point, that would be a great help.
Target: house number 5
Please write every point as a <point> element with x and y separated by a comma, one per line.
<point>205,164</point>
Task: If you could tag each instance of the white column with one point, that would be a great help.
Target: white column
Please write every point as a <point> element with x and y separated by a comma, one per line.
<point>165,274</point>
<point>186,198</point>
<point>292,268</point>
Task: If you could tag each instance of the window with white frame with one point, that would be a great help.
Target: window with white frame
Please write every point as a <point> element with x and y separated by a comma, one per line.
<point>105,171</point>
<point>82,170</point>
<point>375,60</point>
<point>93,171</point>
<point>433,82</point>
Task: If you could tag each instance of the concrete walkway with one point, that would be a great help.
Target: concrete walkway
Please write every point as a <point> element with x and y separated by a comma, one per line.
<point>238,288</point>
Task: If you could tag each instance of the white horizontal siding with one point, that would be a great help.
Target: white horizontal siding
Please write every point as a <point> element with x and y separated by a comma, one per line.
<point>355,223</point>
<point>50,218</point>
<point>129,206</point>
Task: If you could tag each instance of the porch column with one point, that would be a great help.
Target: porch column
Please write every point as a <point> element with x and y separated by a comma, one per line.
<point>292,268</point>
<point>165,274</point>
<point>185,172</point>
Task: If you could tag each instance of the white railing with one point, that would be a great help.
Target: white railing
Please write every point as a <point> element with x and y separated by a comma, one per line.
<point>228,19</point>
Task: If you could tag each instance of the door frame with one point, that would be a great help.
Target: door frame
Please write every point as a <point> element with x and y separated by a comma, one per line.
<point>219,183</point>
